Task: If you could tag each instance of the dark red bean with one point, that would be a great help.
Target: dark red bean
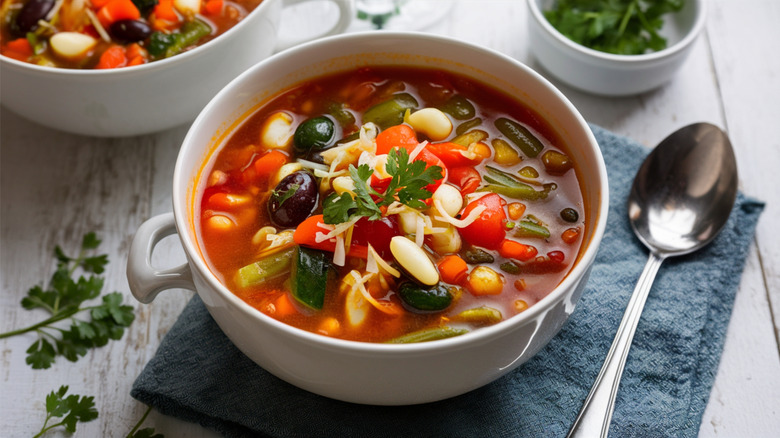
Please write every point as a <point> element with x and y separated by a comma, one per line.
<point>31,13</point>
<point>130,31</point>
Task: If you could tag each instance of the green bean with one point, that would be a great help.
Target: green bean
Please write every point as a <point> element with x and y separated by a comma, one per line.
<point>477,256</point>
<point>265,269</point>
<point>480,315</point>
<point>520,136</point>
<point>189,34</point>
<point>526,228</point>
<point>390,112</point>
<point>429,334</point>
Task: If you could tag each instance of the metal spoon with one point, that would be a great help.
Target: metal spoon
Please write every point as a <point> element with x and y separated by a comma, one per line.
<point>680,200</point>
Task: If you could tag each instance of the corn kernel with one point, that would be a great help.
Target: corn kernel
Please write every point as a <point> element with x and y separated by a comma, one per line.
<point>485,281</point>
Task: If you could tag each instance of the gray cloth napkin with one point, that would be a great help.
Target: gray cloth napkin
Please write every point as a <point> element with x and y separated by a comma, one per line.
<point>198,375</point>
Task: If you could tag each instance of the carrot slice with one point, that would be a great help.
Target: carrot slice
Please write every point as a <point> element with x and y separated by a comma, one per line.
<point>269,163</point>
<point>453,269</point>
<point>113,57</point>
<point>213,7</point>
<point>116,10</point>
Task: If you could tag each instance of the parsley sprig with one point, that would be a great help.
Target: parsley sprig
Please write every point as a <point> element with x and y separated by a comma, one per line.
<point>624,27</point>
<point>407,185</point>
<point>63,299</point>
<point>72,409</point>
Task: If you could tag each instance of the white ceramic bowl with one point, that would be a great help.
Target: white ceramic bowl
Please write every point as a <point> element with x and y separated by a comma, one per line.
<point>349,370</point>
<point>146,98</point>
<point>607,74</point>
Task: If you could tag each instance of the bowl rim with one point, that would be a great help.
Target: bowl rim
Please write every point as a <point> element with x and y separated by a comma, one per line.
<point>182,187</point>
<point>669,51</point>
<point>149,66</point>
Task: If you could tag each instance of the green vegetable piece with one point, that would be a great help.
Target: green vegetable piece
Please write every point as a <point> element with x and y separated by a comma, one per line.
<point>309,277</point>
<point>162,45</point>
<point>470,137</point>
<point>145,6</point>
<point>432,299</point>
<point>507,184</point>
<point>529,172</point>
<point>480,315</point>
<point>556,163</point>
<point>476,256</point>
<point>467,126</point>
<point>265,269</point>
<point>64,299</point>
<point>531,229</point>
<point>342,115</point>
<point>510,268</point>
<point>520,136</point>
<point>426,335</point>
<point>390,112</point>
<point>317,134</point>
<point>459,108</point>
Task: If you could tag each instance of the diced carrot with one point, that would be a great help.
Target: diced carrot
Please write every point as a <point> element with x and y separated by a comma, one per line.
<point>269,163</point>
<point>570,235</point>
<point>453,269</point>
<point>138,60</point>
<point>396,136</point>
<point>165,11</point>
<point>134,50</point>
<point>515,250</point>
<point>116,10</point>
<point>213,7</point>
<point>97,4</point>
<point>283,306</point>
<point>113,57</point>
<point>19,49</point>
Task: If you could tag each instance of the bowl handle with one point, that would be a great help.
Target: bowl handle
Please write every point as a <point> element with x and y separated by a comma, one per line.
<point>346,13</point>
<point>145,280</point>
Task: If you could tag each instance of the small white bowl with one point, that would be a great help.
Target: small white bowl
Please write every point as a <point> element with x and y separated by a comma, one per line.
<point>146,98</point>
<point>607,74</point>
<point>361,372</point>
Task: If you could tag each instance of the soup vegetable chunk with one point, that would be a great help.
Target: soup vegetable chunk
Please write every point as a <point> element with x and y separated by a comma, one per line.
<point>101,34</point>
<point>391,204</point>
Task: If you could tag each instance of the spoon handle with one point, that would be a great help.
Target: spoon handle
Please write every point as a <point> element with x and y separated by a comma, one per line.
<point>596,413</point>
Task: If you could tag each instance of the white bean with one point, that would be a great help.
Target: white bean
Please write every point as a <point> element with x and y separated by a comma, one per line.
<point>450,198</point>
<point>414,260</point>
<point>432,122</point>
<point>71,45</point>
<point>277,132</point>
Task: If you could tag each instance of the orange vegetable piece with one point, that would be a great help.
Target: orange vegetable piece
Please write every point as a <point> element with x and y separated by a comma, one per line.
<point>515,250</point>
<point>453,269</point>
<point>269,163</point>
<point>213,7</point>
<point>283,306</point>
<point>570,235</point>
<point>396,136</point>
<point>116,10</point>
<point>19,49</point>
<point>113,57</point>
<point>165,11</point>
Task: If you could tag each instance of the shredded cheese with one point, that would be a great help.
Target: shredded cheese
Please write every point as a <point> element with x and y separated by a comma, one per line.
<point>458,223</point>
<point>375,259</point>
<point>360,285</point>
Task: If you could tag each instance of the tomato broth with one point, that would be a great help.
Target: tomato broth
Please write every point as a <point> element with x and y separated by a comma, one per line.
<point>392,204</point>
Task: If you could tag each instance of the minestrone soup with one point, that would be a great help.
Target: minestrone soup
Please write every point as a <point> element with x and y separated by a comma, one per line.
<point>391,204</point>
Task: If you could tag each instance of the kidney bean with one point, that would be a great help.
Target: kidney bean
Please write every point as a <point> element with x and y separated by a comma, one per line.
<point>130,31</point>
<point>293,199</point>
<point>30,14</point>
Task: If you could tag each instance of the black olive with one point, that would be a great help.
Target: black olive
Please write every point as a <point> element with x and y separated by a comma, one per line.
<point>570,215</point>
<point>28,17</point>
<point>432,299</point>
<point>316,134</point>
<point>293,199</point>
<point>130,31</point>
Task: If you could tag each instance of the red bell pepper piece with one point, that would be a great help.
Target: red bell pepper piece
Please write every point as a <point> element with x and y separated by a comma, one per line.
<point>396,136</point>
<point>378,233</point>
<point>488,231</point>
<point>467,178</point>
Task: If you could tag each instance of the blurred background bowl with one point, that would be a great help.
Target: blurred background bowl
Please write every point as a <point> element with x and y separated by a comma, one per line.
<point>607,74</point>
<point>147,98</point>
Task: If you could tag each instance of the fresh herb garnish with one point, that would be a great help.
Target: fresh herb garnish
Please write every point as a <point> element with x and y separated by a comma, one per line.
<point>624,27</point>
<point>72,409</point>
<point>280,196</point>
<point>63,299</point>
<point>407,185</point>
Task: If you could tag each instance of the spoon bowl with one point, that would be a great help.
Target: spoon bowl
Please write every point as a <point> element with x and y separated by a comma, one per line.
<point>680,200</point>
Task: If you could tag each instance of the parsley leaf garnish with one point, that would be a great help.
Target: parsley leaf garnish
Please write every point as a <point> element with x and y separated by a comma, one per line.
<point>280,196</point>
<point>628,27</point>
<point>72,409</point>
<point>407,185</point>
<point>64,299</point>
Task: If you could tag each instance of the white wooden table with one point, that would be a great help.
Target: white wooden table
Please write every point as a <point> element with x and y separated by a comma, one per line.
<point>56,187</point>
